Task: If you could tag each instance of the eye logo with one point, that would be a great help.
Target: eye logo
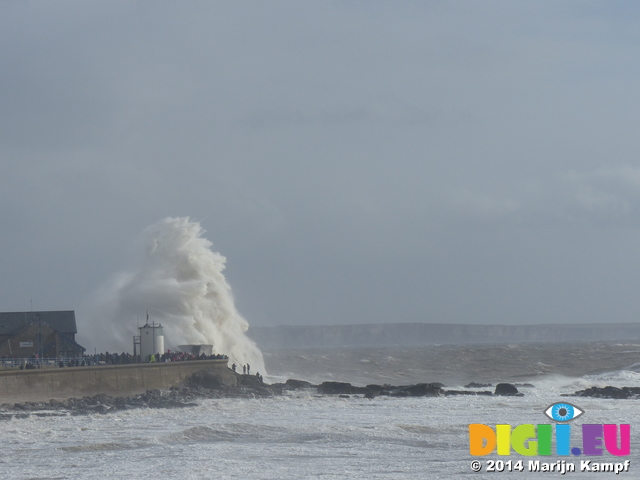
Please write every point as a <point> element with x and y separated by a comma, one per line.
<point>563,412</point>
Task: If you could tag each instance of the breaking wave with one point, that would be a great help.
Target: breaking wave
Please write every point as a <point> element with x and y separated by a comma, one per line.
<point>179,281</point>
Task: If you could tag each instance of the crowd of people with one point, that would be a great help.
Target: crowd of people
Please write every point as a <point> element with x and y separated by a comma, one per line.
<point>105,359</point>
<point>184,357</point>
<point>115,359</point>
<point>124,358</point>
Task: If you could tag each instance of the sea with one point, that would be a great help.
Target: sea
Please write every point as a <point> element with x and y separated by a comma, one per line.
<point>302,435</point>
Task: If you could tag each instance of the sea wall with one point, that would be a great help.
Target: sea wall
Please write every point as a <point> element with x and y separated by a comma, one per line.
<point>18,386</point>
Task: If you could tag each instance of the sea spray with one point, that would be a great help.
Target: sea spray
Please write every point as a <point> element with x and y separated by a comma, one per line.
<point>179,281</point>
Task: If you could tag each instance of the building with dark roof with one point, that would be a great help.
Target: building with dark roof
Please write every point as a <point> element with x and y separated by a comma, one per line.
<point>46,334</point>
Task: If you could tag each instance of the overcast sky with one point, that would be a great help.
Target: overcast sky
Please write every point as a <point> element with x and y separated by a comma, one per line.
<point>355,161</point>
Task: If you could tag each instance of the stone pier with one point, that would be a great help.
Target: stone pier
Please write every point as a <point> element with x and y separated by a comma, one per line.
<point>42,385</point>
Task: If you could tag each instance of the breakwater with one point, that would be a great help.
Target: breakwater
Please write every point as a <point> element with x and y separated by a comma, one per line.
<point>115,380</point>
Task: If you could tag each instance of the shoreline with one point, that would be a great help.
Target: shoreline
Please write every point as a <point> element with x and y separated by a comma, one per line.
<point>206,385</point>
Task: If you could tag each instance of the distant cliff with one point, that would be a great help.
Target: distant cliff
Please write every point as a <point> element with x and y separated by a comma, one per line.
<point>436,333</point>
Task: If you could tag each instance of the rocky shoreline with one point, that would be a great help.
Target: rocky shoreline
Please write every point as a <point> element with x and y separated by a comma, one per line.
<point>608,392</point>
<point>207,386</point>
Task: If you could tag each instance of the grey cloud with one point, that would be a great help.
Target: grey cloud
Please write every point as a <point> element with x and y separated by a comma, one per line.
<point>609,194</point>
<point>389,111</point>
<point>355,162</point>
<point>612,192</point>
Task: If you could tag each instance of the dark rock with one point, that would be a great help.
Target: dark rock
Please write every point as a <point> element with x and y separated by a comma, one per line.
<point>506,389</point>
<point>297,384</point>
<point>372,391</point>
<point>339,388</point>
<point>450,393</point>
<point>101,409</point>
<point>262,392</point>
<point>477,385</point>
<point>277,388</point>
<point>205,380</point>
<point>56,404</point>
<point>609,392</point>
<point>102,398</point>
<point>419,390</point>
<point>249,381</point>
<point>206,385</point>
<point>377,388</point>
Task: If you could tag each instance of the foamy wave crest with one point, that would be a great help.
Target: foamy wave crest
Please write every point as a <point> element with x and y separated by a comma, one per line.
<point>634,367</point>
<point>628,376</point>
<point>180,281</point>
<point>617,378</point>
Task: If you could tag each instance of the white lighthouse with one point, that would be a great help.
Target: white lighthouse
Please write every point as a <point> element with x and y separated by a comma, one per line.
<point>151,340</point>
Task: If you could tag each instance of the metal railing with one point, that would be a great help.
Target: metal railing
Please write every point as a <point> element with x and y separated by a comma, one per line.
<point>35,363</point>
<point>86,361</point>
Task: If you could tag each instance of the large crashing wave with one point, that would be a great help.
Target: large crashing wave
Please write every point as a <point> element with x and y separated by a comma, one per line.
<point>180,282</point>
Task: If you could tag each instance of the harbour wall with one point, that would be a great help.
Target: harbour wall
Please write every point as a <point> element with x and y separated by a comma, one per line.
<point>17,386</point>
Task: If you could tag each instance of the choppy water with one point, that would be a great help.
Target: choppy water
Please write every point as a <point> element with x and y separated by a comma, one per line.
<point>453,364</point>
<point>306,436</point>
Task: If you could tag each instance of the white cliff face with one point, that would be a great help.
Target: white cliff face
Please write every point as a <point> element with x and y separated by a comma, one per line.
<point>179,280</point>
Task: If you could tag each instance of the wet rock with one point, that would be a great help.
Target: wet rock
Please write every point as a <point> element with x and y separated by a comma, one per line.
<point>204,385</point>
<point>100,409</point>
<point>377,388</point>
<point>609,392</point>
<point>292,384</point>
<point>339,388</point>
<point>249,381</point>
<point>507,390</point>
<point>277,388</point>
<point>372,391</point>
<point>205,380</point>
<point>450,393</point>
<point>56,404</point>
<point>478,385</point>
<point>419,390</point>
<point>262,392</point>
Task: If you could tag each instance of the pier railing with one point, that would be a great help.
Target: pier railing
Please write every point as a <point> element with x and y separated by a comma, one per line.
<point>90,360</point>
<point>35,363</point>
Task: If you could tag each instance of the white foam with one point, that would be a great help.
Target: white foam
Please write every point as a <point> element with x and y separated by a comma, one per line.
<point>179,280</point>
<point>634,367</point>
<point>628,377</point>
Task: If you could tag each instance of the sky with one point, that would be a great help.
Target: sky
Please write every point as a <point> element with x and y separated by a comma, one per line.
<point>354,161</point>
